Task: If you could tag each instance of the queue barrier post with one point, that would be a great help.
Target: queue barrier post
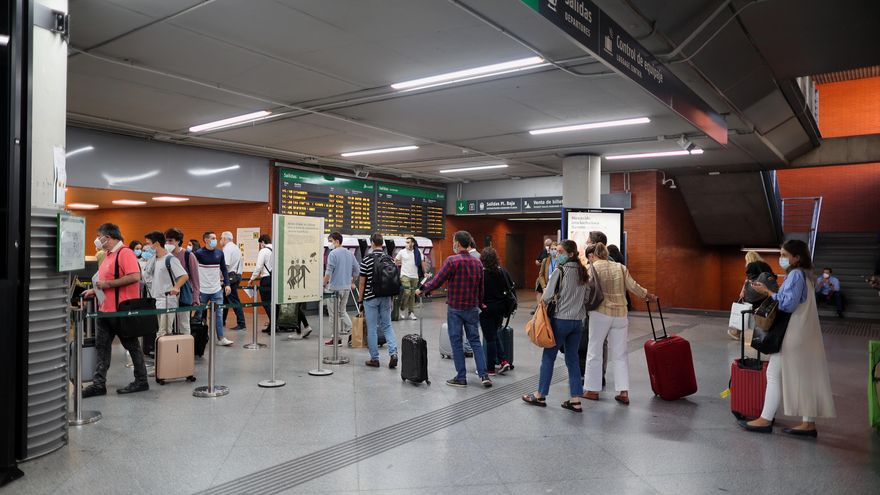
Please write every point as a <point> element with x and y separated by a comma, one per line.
<point>254,345</point>
<point>272,382</point>
<point>336,358</point>
<point>78,417</point>
<point>319,371</point>
<point>211,390</point>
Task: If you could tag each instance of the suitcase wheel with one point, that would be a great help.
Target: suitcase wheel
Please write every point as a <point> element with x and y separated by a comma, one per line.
<point>160,381</point>
<point>428,382</point>
<point>190,378</point>
<point>404,379</point>
<point>738,416</point>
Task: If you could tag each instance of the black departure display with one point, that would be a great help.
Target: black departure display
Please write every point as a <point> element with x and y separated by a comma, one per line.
<point>407,210</point>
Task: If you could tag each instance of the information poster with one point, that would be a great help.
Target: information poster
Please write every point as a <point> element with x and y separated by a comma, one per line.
<point>249,244</point>
<point>71,252</point>
<point>299,260</point>
<point>579,223</point>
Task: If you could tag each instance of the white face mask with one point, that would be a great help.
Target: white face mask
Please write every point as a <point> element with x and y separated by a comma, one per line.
<point>170,247</point>
<point>98,244</point>
<point>826,275</point>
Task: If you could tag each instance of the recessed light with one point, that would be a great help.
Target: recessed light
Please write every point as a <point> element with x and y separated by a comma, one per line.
<point>78,151</point>
<point>470,74</point>
<point>230,121</point>
<point>382,150</point>
<point>82,206</point>
<point>592,125</point>
<point>714,173</point>
<point>656,154</point>
<point>170,199</point>
<point>471,169</point>
<point>199,172</point>
<point>128,202</point>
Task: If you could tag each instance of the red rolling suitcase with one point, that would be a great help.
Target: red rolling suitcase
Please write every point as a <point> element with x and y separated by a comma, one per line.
<point>748,383</point>
<point>670,363</point>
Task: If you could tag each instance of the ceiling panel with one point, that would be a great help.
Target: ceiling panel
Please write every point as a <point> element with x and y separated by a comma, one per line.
<point>105,197</point>
<point>156,8</point>
<point>95,21</point>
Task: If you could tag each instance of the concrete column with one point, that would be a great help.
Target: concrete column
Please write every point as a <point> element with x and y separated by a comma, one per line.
<point>582,181</point>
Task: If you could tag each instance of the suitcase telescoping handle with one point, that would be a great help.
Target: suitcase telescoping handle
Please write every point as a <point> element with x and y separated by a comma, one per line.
<point>662,321</point>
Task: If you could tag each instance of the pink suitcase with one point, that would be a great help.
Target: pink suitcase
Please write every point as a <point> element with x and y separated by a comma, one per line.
<point>175,358</point>
<point>670,363</point>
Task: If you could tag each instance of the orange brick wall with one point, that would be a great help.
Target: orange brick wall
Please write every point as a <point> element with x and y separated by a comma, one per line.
<point>849,108</point>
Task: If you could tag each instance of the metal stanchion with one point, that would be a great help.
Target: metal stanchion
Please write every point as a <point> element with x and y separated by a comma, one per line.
<point>79,417</point>
<point>319,371</point>
<point>211,390</point>
<point>254,344</point>
<point>336,359</point>
<point>272,383</point>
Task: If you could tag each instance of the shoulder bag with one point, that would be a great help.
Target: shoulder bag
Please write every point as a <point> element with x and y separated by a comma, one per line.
<point>134,325</point>
<point>551,306</point>
<point>770,326</point>
<point>593,296</point>
<point>539,329</point>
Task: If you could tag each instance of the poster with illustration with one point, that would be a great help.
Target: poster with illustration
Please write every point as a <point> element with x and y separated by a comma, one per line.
<point>299,264</point>
<point>248,243</point>
<point>579,224</point>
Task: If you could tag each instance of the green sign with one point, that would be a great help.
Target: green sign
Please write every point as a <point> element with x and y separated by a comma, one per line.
<point>326,180</point>
<point>461,206</point>
<point>416,192</point>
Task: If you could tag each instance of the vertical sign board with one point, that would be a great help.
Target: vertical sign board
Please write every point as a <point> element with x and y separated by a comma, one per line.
<point>299,259</point>
<point>577,223</point>
<point>249,244</point>
<point>71,248</point>
<point>606,40</point>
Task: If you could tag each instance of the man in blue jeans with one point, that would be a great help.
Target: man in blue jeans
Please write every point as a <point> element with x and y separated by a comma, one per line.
<point>377,309</point>
<point>464,273</point>
<point>214,280</point>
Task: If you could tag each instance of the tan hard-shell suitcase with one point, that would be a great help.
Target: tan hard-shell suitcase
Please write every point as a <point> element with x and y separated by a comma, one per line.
<point>175,358</point>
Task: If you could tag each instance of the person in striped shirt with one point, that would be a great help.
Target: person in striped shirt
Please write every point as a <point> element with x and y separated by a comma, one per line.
<point>214,280</point>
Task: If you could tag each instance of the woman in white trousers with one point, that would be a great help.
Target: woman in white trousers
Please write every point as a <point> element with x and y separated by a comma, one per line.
<point>610,320</point>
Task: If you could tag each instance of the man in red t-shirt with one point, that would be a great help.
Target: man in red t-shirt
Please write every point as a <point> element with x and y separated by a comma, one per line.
<point>126,286</point>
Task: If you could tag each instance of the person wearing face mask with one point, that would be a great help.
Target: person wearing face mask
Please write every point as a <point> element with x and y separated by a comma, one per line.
<point>234,267</point>
<point>174,240</point>
<point>340,277</point>
<point>138,249</point>
<point>165,286</point>
<point>828,290</point>
<point>545,270</point>
<point>116,289</point>
<point>797,375</point>
<point>214,281</point>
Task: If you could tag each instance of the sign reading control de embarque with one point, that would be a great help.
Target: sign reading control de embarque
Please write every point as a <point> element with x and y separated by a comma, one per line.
<point>593,29</point>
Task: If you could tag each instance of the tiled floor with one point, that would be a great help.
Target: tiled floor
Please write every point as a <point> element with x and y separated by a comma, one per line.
<point>167,441</point>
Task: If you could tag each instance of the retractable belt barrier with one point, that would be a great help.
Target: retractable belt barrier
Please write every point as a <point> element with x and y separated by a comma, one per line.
<point>163,311</point>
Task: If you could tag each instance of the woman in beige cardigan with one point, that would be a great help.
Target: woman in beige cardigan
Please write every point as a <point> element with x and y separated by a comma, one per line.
<point>798,373</point>
<point>610,320</point>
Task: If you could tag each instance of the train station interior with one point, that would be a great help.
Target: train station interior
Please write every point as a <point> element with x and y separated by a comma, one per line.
<point>692,186</point>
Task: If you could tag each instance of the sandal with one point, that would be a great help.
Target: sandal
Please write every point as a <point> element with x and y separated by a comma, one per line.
<point>623,399</point>
<point>535,401</point>
<point>572,406</point>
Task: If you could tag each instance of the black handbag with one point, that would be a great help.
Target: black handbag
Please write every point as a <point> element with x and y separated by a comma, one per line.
<point>769,340</point>
<point>134,326</point>
<point>551,306</point>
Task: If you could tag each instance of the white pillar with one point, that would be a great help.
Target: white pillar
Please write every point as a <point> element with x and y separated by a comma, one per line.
<point>582,181</point>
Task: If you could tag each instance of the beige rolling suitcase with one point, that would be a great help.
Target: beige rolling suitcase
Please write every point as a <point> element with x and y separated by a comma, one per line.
<point>175,357</point>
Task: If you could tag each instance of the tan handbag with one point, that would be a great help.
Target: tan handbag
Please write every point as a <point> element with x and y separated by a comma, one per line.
<point>539,329</point>
<point>358,331</point>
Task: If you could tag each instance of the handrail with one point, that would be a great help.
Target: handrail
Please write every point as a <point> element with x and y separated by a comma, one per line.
<point>801,216</point>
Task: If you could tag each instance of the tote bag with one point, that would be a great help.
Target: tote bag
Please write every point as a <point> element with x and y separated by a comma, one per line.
<point>539,330</point>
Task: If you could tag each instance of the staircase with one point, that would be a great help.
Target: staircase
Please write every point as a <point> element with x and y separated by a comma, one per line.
<point>852,258</point>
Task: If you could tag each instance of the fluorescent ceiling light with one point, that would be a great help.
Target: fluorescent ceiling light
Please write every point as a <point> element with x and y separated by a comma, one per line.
<point>112,181</point>
<point>230,121</point>
<point>224,184</point>
<point>655,154</point>
<point>544,219</point>
<point>383,150</point>
<point>82,206</point>
<point>170,199</point>
<point>4,40</point>
<point>760,250</point>
<point>128,202</point>
<point>211,171</point>
<point>78,151</point>
<point>469,74</point>
<point>592,125</point>
<point>470,169</point>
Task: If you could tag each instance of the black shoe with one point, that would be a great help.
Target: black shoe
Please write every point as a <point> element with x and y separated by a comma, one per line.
<point>134,387</point>
<point>240,327</point>
<point>393,363</point>
<point>486,381</point>
<point>92,391</point>
<point>801,433</point>
<point>456,383</point>
<point>755,429</point>
<point>468,354</point>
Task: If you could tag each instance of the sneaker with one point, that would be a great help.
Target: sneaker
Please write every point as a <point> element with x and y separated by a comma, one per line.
<point>393,362</point>
<point>490,372</point>
<point>133,387</point>
<point>93,391</point>
<point>412,316</point>
<point>456,383</point>
<point>295,336</point>
<point>240,326</point>
<point>373,363</point>
<point>306,332</point>
<point>505,367</point>
<point>329,342</point>
<point>486,381</point>
<point>224,341</point>
<point>734,333</point>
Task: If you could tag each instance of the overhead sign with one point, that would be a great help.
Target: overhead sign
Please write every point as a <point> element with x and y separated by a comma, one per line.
<point>507,205</point>
<point>538,204</point>
<point>407,210</point>
<point>606,40</point>
<point>545,203</point>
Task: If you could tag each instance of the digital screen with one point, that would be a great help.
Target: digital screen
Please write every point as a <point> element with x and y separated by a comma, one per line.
<point>579,223</point>
<point>406,210</point>
<point>346,204</point>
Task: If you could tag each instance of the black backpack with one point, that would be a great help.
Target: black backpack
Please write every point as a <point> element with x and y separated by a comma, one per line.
<point>386,276</point>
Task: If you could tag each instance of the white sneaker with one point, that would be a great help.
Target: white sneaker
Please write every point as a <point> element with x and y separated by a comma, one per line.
<point>224,341</point>
<point>412,316</point>
<point>306,332</point>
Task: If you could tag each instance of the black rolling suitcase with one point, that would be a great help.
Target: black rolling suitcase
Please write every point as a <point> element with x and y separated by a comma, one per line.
<point>199,330</point>
<point>414,357</point>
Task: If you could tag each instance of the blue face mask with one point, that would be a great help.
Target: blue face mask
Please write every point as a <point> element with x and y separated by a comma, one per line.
<point>212,243</point>
<point>189,248</point>
<point>138,252</point>
<point>148,253</point>
<point>784,263</point>
<point>561,259</point>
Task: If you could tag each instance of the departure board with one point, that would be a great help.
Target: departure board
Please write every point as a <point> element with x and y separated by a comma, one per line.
<point>347,204</point>
<point>407,210</point>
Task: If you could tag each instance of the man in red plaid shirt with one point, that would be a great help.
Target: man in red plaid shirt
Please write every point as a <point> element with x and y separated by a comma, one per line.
<point>464,274</point>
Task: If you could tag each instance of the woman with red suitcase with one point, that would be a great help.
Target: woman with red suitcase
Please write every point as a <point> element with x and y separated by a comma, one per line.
<point>798,374</point>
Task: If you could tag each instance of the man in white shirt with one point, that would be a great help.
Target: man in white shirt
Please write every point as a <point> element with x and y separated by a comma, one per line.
<point>232,254</point>
<point>263,271</point>
<point>412,269</point>
<point>165,286</point>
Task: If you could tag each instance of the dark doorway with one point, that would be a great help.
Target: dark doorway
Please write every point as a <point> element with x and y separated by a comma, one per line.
<point>514,260</point>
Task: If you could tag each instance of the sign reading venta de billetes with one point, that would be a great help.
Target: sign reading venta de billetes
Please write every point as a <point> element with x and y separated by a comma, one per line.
<point>606,40</point>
